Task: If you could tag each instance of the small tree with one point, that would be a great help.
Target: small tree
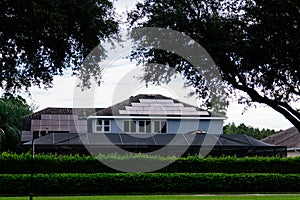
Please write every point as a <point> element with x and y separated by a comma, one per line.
<point>12,109</point>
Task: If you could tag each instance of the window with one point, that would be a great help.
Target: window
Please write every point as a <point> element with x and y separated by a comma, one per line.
<point>160,126</point>
<point>126,126</point>
<point>133,126</point>
<point>145,126</point>
<point>130,126</point>
<point>103,125</point>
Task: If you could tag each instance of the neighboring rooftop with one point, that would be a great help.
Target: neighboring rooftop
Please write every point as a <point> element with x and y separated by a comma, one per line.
<point>289,138</point>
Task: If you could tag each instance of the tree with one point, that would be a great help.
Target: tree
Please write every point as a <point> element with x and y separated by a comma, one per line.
<point>12,109</point>
<point>40,39</point>
<point>255,45</point>
<point>243,129</point>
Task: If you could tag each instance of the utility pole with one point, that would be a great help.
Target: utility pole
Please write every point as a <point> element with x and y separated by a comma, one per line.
<point>32,168</point>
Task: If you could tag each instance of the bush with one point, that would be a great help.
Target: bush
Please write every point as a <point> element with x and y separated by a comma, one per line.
<point>117,183</point>
<point>11,163</point>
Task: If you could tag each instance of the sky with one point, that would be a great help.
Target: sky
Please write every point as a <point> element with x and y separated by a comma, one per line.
<point>120,82</point>
<point>117,86</point>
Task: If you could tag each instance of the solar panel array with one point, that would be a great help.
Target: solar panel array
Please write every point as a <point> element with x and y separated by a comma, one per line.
<point>160,107</point>
<point>54,123</point>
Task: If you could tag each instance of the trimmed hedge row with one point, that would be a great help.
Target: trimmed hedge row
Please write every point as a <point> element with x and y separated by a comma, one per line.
<point>11,163</point>
<point>46,184</point>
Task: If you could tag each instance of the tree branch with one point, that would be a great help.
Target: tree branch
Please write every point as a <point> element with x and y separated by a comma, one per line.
<point>285,110</point>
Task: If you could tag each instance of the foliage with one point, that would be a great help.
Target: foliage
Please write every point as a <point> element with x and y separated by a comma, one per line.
<point>148,183</point>
<point>243,129</point>
<point>11,163</point>
<point>40,39</point>
<point>12,109</point>
<point>255,45</point>
<point>165,197</point>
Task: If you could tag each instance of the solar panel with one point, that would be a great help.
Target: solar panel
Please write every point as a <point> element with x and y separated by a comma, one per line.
<point>160,107</point>
<point>158,112</point>
<point>165,101</point>
<point>142,112</point>
<point>133,108</point>
<point>154,107</point>
<point>170,108</point>
<point>148,100</point>
<point>145,104</point>
<point>136,104</point>
<point>43,116</point>
<point>202,113</point>
<point>26,136</point>
<point>189,109</point>
<point>177,104</point>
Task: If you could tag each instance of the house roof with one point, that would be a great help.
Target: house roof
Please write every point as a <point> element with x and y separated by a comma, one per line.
<point>80,112</point>
<point>289,138</point>
<point>154,104</point>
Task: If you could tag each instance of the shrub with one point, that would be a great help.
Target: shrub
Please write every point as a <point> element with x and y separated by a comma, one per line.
<point>11,163</point>
<point>117,183</point>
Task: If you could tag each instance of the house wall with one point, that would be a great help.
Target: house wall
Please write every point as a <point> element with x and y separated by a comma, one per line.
<point>184,126</point>
<point>117,126</point>
<point>293,153</point>
<point>173,126</point>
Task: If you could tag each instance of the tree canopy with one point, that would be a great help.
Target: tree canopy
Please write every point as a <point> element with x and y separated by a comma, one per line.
<point>248,130</point>
<point>12,109</point>
<point>39,39</point>
<point>254,43</point>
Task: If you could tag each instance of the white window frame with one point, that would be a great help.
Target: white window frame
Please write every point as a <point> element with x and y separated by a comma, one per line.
<point>102,125</point>
<point>137,128</point>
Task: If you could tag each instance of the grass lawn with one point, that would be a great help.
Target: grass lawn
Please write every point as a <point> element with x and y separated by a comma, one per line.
<point>164,197</point>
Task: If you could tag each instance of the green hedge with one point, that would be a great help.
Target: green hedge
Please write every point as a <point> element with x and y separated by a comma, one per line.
<point>118,183</point>
<point>11,163</point>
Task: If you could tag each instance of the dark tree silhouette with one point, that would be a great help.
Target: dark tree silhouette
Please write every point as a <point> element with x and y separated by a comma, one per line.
<point>39,39</point>
<point>12,109</point>
<point>255,45</point>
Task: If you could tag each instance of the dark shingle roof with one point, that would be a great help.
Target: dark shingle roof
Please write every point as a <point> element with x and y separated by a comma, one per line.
<point>289,138</point>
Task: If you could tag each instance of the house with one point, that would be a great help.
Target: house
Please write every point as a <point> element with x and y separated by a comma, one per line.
<point>289,138</point>
<point>154,114</point>
<point>138,114</point>
<point>142,123</point>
